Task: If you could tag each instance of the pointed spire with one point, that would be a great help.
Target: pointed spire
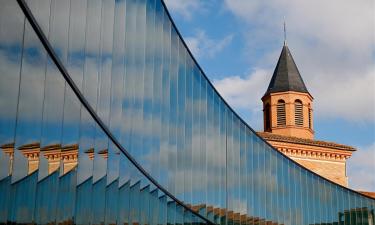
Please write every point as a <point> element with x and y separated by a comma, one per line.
<point>286,76</point>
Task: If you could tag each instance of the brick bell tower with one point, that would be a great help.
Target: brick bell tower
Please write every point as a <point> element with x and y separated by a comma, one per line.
<point>288,123</point>
<point>287,104</point>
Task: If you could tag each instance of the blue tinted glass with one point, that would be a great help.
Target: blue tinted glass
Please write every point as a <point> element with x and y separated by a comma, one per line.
<point>11,48</point>
<point>126,57</point>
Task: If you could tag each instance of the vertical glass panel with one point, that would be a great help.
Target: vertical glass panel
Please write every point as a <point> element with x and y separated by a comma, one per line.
<point>230,170</point>
<point>179,215</point>
<point>67,197</point>
<point>333,210</point>
<point>52,116</point>
<point>84,171</point>
<point>189,107</point>
<point>28,130</point>
<point>354,209</point>
<point>104,91</point>
<point>162,210</point>
<point>202,154</point>
<point>272,186</point>
<point>11,49</point>
<point>137,76</point>
<point>242,175</point>
<point>104,88</point>
<point>181,167</point>
<point>292,194</point>
<point>187,218</point>
<point>98,201</point>
<point>171,213</point>
<point>46,199</point>
<point>135,203</point>
<point>87,139</point>
<point>124,207</point>
<point>257,179</point>
<point>281,189</point>
<point>195,138</point>
<point>165,107</point>
<point>147,129</point>
<point>124,72</point>
<point>5,199</point>
<point>111,202</point>
<point>263,182</point>
<point>216,157</point>
<point>54,91</point>
<point>223,162</point>
<point>320,199</point>
<point>172,138</point>
<point>307,209</point>
<point>72,106</point>
<point>297,206</point>
<point>340,198</point>
<point>236,168</point>
<point>30,102</point>
<point>288,190</point>
<point>126,98</point>
<point>154,207</point>
<point>213,159</point>
<point>145,206</point>
<point>22,204</point>
<point>74,60</point>
<point>315,215</point>
<point>249,174</point>
<point>157,90</point>
<point>117,86</point>
<point>90,90</point>
<point>210,153</point>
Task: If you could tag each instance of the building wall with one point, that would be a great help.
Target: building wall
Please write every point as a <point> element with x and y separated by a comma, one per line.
<point>334,171</point>
<point>327,162</point>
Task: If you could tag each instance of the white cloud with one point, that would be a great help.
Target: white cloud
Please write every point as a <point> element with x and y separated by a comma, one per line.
<point>183,7</point>
<point>244,93</point>
<point>361,167</point>
<point>352,98</point>
<point>332,44</point>
<point>203,46</point>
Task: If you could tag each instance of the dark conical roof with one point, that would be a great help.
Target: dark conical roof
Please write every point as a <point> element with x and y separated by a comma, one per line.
<point>286,76</point>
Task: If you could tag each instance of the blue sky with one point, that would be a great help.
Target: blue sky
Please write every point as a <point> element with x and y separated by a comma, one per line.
<point>238,42</point>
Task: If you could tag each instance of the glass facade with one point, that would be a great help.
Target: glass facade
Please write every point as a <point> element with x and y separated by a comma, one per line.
<point>199,161</point>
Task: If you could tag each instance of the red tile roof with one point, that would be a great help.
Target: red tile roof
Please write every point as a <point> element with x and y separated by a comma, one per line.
<point>276,137</point>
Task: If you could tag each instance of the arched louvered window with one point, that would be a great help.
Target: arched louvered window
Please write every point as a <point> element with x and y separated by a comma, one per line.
<point>281,117</point>
<point>267,117</point>
<point>298,113</point>
<point>310,117</point>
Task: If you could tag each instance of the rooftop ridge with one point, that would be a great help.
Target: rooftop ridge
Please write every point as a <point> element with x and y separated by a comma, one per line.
<point>276,137</point>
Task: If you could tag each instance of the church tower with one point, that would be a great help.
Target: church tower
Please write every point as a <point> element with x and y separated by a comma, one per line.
<point>287,104</point>
<point>288,123</point>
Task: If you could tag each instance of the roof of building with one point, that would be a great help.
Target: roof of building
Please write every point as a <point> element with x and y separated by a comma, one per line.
<point>367,193</point>
<point>286,76</point>
<point>275,137</point>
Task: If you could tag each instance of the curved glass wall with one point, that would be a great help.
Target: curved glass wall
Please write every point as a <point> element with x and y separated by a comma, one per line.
<point>57,165</point>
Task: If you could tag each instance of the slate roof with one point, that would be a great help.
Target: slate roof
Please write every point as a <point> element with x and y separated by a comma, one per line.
<point>286,76</point>
<point>294,140</point>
